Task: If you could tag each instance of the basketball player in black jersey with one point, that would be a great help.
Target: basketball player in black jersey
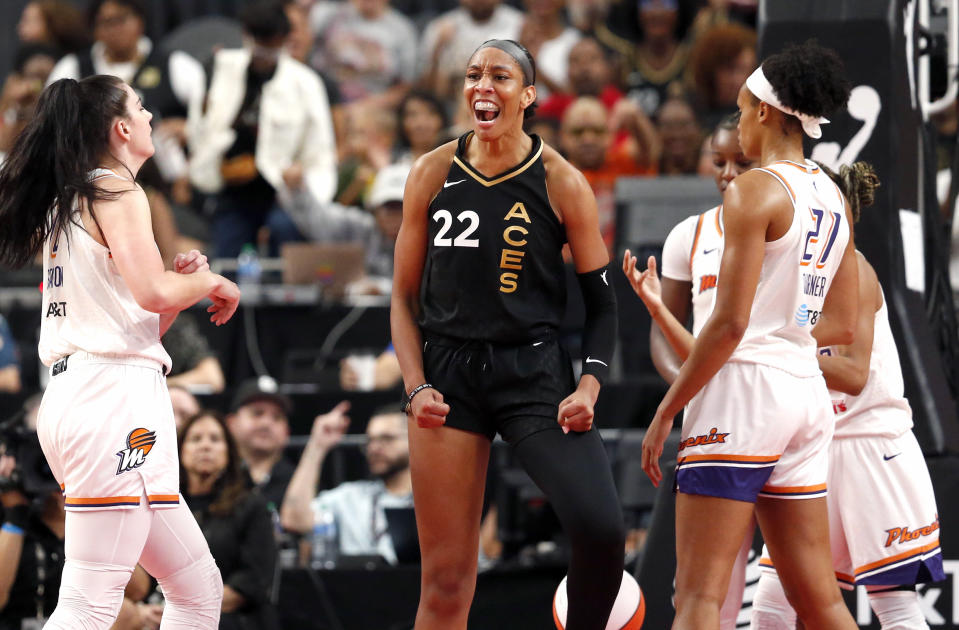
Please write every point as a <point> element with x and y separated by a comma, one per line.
<point>478,294</point>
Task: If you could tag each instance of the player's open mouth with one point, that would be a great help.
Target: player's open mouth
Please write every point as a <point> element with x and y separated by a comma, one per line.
<point>485,111</point>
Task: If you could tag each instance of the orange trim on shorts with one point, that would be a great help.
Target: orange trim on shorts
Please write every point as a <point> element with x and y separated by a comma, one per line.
<point>896,558</point>
<point>762,459</point>
<point>793,489</point>
<point>163,498</point>
<point>699,226</point>
<point>100,501</point>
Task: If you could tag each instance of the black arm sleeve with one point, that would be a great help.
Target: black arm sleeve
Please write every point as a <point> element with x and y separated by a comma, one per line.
<point>600,329</point>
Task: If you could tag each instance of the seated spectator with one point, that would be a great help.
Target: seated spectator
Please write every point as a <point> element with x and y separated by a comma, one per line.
<point>195,365</point>
<point>376,228</point>
<point>367,47</point>
<point>234,520</point>
<point>720,62</point>
<point>21,90</point>
<point>170,83</point>
<point>450,38</point>
<point>681,137</point>
<point>185,404</point>
<point>54,23</point>
<point>359,506</point>
<point>651,67</point>
<point>31,537</point>
<point>369,148</point>
<point>259,424</point>
<point>549,39</point>
<point>586,139</point>
<point>589,73</point>
<point>718,12</point>
<point>385,370</point>
<point>265,132</point>
<point>423,125</point>
<point>9,360</point>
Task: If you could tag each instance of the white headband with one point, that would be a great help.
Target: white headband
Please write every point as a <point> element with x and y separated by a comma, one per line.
<point>763,90</point>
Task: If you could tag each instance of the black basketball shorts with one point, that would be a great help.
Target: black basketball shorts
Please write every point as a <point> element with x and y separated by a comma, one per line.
<point>513,390</point>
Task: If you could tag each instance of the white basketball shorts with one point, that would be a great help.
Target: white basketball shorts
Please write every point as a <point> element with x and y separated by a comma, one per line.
<point>106,428</point>
<point>883,520</point>
<point>756,430</point>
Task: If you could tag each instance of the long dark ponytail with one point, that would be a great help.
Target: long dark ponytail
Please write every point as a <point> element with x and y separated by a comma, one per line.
<point>48,169</point>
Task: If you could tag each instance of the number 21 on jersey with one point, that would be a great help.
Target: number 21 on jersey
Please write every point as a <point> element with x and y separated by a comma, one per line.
<point>813,238</point>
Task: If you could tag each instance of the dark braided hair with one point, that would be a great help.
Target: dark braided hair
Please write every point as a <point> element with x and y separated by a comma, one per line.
<point>857,182</point>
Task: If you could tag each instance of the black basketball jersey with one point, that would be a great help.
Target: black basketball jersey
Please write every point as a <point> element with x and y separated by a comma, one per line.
<point>494,263</point>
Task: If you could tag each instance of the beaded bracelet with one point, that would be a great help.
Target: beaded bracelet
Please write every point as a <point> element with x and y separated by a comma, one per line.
<point>413,392</point>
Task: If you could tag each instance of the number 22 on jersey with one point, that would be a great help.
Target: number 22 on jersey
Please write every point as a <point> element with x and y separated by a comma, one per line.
<point>463,240</point>
<point>813,238</point>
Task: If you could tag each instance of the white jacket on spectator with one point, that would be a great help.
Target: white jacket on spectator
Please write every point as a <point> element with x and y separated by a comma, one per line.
<point>294,126</point>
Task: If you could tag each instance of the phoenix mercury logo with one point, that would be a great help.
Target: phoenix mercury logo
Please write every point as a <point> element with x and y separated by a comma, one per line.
<point>139,443</point>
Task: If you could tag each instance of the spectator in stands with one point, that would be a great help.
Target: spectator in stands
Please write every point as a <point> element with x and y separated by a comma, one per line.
<point>549,38</point>
<point>259,423</point>
<point>386,372</point>
<point>586,139</point>
<point>195,365</point>
<point>717,12</point>
<point>367,48</point>
<point>589,73</point>
<point>450,38</point>
<point>185,404</point>
<point>681,137</point>
<point>423,125</point>
<point>55,23</point>
<point>265,131</point>
<point>658,61</point>
<point>720,62</point>
<point>234,520</point>
<point>376,228</point>
<point>22,88</point>
<point>587,15</point>
<point>31,541</point>
<point>9,359</point>
<point>169,83</point>
<point>359,506</point>
<point>369,147</point>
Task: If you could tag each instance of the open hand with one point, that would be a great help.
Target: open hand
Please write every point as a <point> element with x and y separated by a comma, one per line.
<point>646,283</point>
<point>653,442</point>
<point>225,298</point>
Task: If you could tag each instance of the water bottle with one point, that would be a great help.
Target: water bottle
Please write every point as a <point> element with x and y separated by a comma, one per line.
<point>326,544</point>
<point>248,269</point>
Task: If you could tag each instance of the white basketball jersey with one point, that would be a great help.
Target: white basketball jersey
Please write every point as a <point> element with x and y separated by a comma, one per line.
<point>87,305</point>
<point>880,408</point>
<point>692,253</point>
<point>797,270</point>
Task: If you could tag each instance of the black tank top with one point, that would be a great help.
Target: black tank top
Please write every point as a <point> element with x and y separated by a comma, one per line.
<point>494,262</point>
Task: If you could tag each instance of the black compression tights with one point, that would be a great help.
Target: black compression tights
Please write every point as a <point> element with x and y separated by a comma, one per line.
<point>574,473</point>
